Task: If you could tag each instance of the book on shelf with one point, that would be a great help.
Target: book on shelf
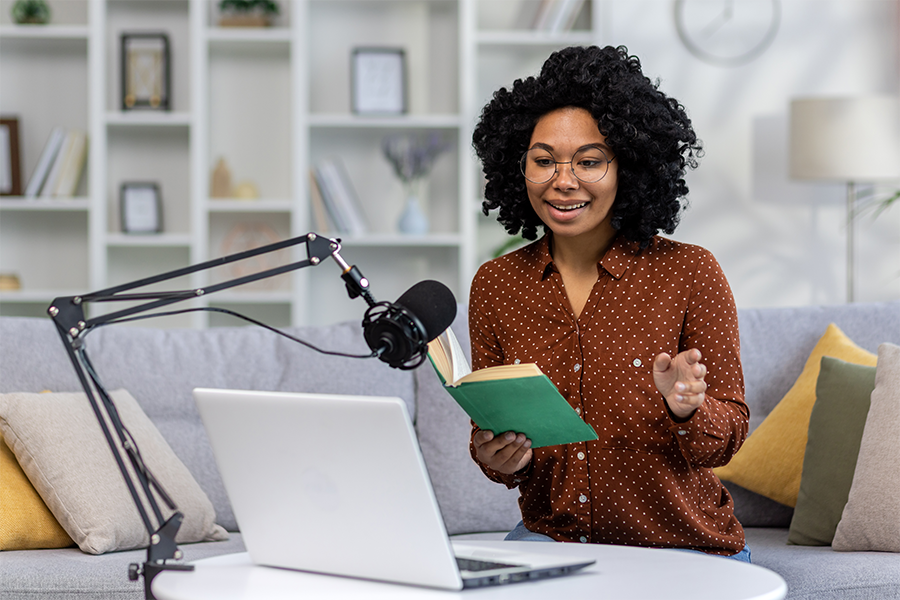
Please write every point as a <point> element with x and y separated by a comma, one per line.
<point>517,397</point>
<point>67,165</point>
<point>339,196</point>
<point>556,16</point>
<point>45,162</point>
<point>322,220</point>
<point>70,174</point>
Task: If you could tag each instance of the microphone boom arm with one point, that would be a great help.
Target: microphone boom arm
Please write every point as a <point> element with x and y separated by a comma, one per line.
<point>67,313</point>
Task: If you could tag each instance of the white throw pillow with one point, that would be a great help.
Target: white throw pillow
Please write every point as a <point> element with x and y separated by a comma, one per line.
<point>59,444</point>
<point>871,517</point>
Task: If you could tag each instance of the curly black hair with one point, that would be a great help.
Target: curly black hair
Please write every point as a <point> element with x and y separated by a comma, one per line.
<point>650,134</point>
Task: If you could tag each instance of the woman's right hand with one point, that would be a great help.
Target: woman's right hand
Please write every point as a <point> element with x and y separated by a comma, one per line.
<point>505,453</point>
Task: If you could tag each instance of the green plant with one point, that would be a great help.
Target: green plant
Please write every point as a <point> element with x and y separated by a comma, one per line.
<point>873,201</point>
<point>265,7</point>
<point>31,11</point>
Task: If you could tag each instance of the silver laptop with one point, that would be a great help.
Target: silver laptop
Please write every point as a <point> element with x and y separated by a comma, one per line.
<point>337,485</point>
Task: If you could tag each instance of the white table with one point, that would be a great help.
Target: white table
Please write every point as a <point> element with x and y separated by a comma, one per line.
<point>621,573</point>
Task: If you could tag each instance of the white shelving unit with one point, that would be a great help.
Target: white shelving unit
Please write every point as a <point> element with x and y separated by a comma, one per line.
<point>272,102</point>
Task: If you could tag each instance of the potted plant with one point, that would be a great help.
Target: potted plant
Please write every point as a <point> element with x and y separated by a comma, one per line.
<point>31,12</point>
<point>247,13</point>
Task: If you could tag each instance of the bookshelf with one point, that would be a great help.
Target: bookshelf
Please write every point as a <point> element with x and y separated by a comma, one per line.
<point>272,102</point>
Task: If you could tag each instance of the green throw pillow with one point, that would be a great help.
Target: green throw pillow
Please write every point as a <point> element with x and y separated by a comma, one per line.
<point>836,425</point>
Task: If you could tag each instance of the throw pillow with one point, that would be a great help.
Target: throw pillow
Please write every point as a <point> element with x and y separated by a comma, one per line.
<point>770,462</point>
<point>835,430</point>
<point>60,446</point>
<point>25,521</point>
<point>871,518</point>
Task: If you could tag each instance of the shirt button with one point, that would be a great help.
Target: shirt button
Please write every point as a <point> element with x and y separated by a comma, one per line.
<point>637,362</point>
<point>583,540</point>
<point>682,432</point>
<point>517,361</point>
<point>581,456</point>
<point>582,498</point>
<point>578,409</point>
<point>577,367</point>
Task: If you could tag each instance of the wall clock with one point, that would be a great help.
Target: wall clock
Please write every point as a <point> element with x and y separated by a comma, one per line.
<point>727,32</point>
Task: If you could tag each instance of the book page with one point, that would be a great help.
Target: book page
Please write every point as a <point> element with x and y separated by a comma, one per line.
<point>448,357</point>
<point>458,360</point>
<point>499,372</point>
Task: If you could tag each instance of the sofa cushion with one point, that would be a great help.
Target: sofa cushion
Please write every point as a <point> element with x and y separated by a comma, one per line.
<point>25,521</point>
<point>59,444</point>
<point>67,574</point>
<point>819,573</point>
<point>871,517</point>
<point>835,429</point>
<point>161,367</point>
<point>771,460</point>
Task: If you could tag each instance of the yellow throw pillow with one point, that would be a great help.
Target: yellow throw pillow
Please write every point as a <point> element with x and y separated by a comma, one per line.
<point>25,521</point>
<point>770,462</point>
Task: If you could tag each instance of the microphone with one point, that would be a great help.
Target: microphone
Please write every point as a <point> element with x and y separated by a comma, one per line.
<point>399,333</point>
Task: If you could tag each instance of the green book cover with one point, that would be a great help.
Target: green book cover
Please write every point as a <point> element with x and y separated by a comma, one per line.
<point>509,398</point>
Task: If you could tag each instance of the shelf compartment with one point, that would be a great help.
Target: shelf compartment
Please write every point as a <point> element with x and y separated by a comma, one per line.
<point>381,194</point>
<point>252,131</point>
<point>150,154</point>
<point>46,250</point>
<point>428,30</point>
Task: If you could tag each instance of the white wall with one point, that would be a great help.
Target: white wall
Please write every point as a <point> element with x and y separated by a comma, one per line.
<point>781,242</point>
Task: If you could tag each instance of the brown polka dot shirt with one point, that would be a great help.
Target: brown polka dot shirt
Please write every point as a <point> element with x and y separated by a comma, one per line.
<point>648,480</point>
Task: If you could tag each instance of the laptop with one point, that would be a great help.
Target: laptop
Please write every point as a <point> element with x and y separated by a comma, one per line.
<point>337,485</point>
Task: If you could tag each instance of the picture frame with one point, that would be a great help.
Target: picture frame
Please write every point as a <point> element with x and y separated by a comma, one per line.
<point>10,158</point>
<point>146,72</point>
<point>378,84</point>
<point>140,207</point>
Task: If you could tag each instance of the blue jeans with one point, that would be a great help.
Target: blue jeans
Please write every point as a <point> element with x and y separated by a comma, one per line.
<point>523,534</point>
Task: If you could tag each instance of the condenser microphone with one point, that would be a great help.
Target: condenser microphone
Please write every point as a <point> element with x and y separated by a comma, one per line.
<point>399,332</point>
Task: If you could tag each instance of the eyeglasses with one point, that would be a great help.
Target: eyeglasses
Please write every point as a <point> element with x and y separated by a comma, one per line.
<point>588,165</point>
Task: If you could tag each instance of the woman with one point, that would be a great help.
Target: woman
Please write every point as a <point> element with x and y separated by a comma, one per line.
<point>637,331</point>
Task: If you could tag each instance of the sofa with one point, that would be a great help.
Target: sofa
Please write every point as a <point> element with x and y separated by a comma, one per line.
<point>160,367</point>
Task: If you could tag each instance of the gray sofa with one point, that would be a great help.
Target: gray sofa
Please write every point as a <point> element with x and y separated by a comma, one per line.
<point>161,367</point>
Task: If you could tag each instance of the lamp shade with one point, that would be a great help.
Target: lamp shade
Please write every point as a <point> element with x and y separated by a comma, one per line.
<point>845,139</point>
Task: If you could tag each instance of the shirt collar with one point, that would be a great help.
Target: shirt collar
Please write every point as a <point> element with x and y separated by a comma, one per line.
<point>615,261</point>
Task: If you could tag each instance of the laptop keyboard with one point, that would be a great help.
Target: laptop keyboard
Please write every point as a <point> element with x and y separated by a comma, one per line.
<point>468,564</point>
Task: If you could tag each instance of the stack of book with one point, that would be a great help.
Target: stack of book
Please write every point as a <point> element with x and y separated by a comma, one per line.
<point>60,167</point>
<point>335,204</point>
<point>555,16</point>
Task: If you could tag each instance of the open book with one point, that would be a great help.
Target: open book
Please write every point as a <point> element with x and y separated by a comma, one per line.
<point>502,398</point>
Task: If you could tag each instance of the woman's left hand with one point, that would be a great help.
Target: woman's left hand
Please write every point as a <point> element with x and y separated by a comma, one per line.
<point>681,381</point>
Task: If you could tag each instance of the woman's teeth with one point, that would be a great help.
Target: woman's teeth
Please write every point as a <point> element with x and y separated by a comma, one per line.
<point>570,207</point>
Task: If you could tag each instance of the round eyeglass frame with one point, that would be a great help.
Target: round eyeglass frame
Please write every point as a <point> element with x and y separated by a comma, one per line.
<point>565,162</point>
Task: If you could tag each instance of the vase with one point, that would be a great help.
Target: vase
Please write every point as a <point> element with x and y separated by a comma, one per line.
<point>413,220</point>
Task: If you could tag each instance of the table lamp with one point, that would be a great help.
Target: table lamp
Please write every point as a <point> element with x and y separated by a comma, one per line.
<point>847,140</point>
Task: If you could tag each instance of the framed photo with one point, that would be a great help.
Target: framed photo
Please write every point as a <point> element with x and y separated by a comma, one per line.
<point>145,71</point>
<point>378,81</point>
<point>10,164</point>
<point>141,208</point>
